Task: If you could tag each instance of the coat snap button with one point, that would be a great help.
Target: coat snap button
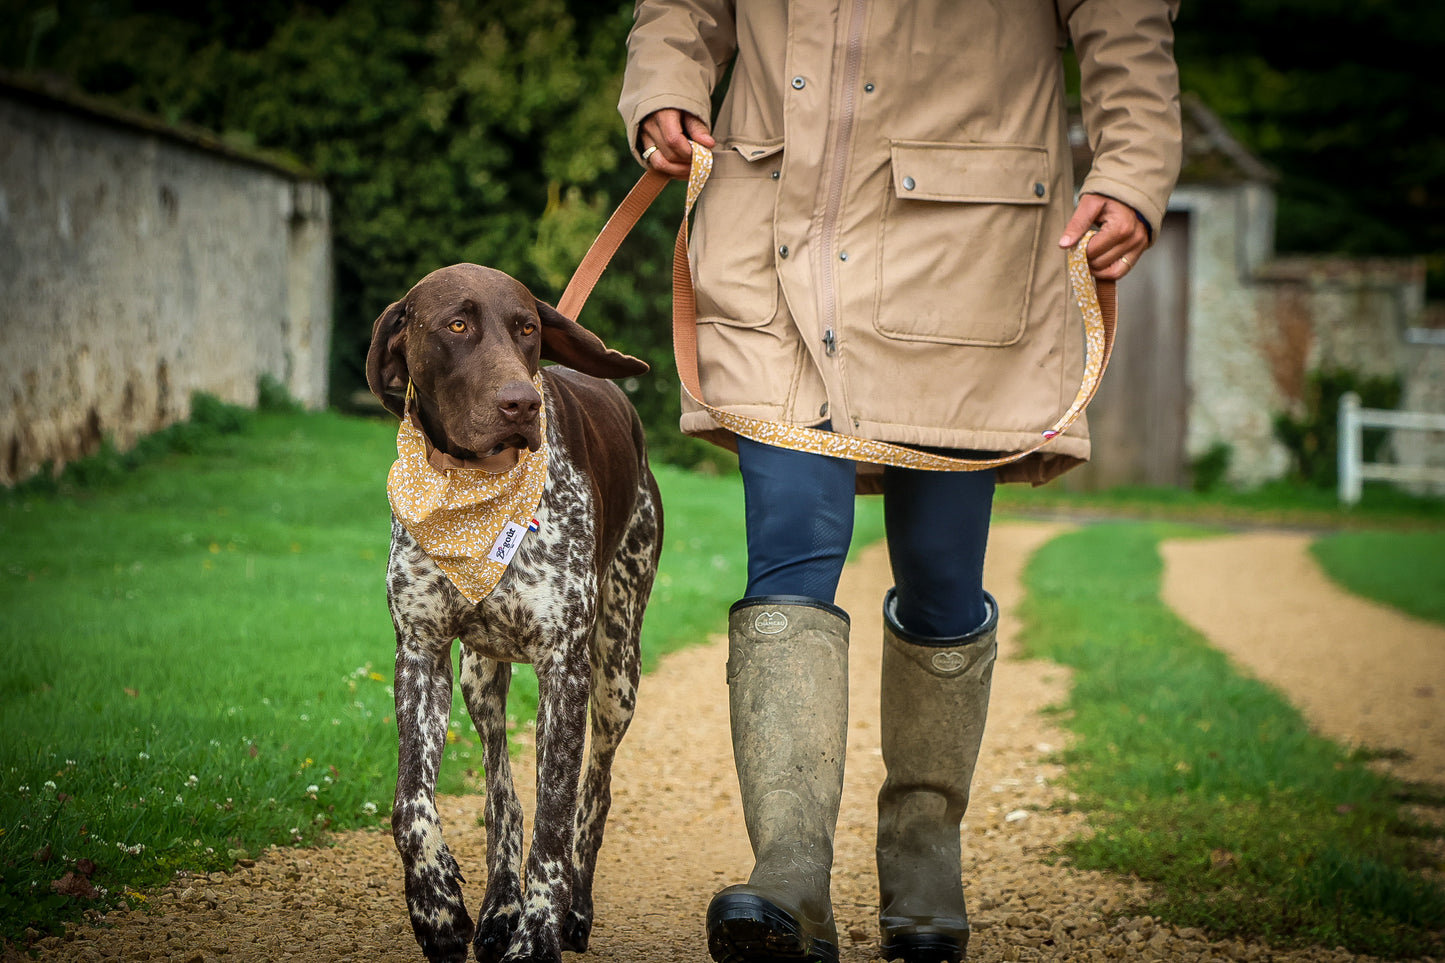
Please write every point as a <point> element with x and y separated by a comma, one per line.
<point>783,251</point>
<point>843,255</point>
<point>823,411</point>
<point>775,175</point>
<point>1040,190</point>
<point>799,83</point>
<point>868,88</point>
<point>909,184</point>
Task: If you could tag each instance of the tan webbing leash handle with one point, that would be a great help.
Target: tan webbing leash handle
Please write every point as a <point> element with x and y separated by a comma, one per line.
<point>599,255</point>
<point>1096,299</point>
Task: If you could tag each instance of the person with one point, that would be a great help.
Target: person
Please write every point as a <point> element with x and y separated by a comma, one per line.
<point>878,253</point>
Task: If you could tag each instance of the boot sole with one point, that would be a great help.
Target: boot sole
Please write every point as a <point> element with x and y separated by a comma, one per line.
<point>925,948</point>
<point>742,928</point>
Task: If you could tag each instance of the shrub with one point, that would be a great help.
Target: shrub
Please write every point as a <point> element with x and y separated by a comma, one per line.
<point>1312,438</point>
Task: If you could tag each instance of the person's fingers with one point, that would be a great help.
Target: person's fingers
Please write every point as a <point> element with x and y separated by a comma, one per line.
<point>1119,241</point>
<point>1085,214</point>
<point>663,129</point>
<point>697,130</point>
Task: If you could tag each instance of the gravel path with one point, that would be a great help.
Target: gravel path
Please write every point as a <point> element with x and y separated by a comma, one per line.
<point>676,836</point>
<point>1363,674</point>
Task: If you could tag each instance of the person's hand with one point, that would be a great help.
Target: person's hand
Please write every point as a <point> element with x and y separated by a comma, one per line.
<point>669,130</point>
<point>1121,239</point>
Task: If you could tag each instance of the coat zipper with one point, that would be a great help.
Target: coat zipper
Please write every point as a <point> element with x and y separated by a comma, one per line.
<point>842,135</point>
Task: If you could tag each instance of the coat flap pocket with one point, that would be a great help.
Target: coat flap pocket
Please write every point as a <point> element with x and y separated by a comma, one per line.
<point>756,150</point>
<point>988,173</point>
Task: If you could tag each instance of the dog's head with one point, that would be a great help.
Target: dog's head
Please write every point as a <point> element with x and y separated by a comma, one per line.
<point>470,339</point>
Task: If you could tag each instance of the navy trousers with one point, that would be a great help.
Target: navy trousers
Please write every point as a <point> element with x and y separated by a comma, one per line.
<point>799,510</point>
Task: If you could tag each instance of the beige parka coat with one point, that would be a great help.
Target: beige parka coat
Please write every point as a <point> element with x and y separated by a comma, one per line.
<point>877,246</point>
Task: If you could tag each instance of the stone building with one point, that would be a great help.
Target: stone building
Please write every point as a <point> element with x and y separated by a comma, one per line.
<point>1218,334</point>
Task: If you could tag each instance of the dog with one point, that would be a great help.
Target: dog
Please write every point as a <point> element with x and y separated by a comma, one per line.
<point>465,345</point>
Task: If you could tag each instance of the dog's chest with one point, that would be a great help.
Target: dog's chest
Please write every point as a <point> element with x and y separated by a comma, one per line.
<point>547,594</point>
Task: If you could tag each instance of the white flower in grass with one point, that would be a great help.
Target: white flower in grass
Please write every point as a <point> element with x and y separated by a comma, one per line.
<point>193,780</point>
<point>50,784</point>
<point>313,789</point>
<point>23,790</point>
<point>143,756</point>
<point>179,800</point>
<point>369,808</point>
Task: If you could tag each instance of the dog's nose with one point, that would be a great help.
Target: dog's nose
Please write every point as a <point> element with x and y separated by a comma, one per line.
<point>519,402</point>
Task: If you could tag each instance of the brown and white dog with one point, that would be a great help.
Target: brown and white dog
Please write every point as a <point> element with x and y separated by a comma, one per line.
<point>470,340</point>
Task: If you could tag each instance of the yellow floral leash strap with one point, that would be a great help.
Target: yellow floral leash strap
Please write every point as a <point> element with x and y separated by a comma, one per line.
<point>1096,300</point>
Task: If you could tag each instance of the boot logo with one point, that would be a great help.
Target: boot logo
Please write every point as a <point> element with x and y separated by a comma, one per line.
<point>770,623</point>
<point>948,662</point>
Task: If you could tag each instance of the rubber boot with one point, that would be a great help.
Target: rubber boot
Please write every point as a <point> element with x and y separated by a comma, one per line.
<point>788,697</point>
<point>934,703</point>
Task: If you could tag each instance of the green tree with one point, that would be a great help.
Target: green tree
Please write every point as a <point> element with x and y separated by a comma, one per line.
<point>1342,98</point>
<point>446,131</point>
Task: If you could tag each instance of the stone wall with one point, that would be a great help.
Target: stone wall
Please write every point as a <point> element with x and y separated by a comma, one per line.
<point>139,265</point>
<point>1259,325</point>
<point>1423,369</point>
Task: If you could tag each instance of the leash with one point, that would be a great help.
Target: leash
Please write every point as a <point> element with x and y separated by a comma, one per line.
<point>1096,300</point>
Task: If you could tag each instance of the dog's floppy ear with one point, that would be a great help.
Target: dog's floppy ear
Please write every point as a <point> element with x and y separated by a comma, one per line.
<point>567,342</point>
<point>386,373</point>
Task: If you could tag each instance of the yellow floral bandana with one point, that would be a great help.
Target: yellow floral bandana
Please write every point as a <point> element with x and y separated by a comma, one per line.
<point>469,520</point>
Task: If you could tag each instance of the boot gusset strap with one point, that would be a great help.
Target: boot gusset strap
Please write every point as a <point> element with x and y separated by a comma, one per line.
<point>890,619</point>
<point>804,601</point>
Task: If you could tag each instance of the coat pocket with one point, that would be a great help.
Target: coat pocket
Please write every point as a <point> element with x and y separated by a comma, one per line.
<point>960,240</point>
<point>732,238</point>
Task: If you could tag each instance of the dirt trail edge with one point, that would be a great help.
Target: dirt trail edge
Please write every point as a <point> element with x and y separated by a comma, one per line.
<point>1362,673</point>
<point>676,836</point>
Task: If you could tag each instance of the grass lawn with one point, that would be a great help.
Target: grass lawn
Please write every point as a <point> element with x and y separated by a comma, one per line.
<point>198,655</point>
<point>1402,569</point>
<point>198,665</point>
<point>1208,783</point>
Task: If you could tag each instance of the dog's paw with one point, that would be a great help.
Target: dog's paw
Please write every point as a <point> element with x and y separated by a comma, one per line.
<point>441,923</point>
<point>494,936</point>
<point>576,931</point>
<point>536,955</point>
<point>534,942</point>
<point>444,948</point>
<point>446,943</point>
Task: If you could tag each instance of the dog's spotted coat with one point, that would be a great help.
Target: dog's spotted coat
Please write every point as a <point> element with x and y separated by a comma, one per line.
<point>469,341</point>
<point>549,609</point>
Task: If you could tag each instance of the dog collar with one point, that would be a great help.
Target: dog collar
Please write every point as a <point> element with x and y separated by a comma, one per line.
<point>469,520</point>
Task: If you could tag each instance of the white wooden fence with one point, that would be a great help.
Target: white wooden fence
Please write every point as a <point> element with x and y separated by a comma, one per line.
<point>1353,467</point>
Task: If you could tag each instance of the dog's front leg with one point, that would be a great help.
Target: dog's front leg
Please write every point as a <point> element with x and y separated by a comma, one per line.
<point>433,880</point>
<point>484,684</point>
<point>562,682</point>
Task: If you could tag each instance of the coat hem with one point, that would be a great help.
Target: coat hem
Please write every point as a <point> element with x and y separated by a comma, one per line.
<point>1060,455</point>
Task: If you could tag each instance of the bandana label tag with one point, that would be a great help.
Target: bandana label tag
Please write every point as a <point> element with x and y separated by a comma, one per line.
<point>507,543</point>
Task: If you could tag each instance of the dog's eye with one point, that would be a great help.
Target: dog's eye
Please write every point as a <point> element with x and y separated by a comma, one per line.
<point>458,326</point>
<point>528,327</point>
